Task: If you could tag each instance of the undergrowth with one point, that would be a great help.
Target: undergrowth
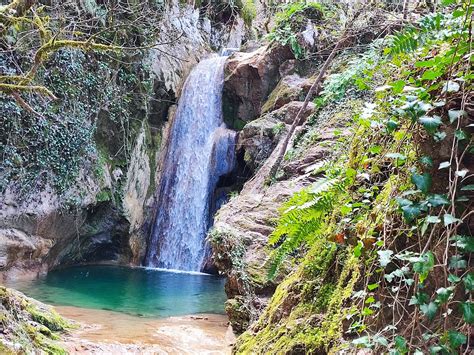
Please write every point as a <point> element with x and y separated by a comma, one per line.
<point>290,21</point>
<point>396,209</point>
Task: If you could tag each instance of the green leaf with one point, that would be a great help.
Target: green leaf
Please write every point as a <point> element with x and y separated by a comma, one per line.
<point>459,13</point>
<point>468,188</point>
<point>460,135</point>
<point>403,201</point>
<point>367,312</point>
<point>468,281</point>
<point>391,125</point>
<point>450,219</point>
<point>401,344</point>
<point>372,287</point>
<point>358,249</point>
<point>425,63</point>
<point>426,161</point>
<point>443,294</point>
<point>396,156</point>
<point>369,300</point>
<point>467,309</point>
<point>437,200</point>
<point>375,149</point>
<point>397,86</point>
<point>431,74</point>
<point>444,165</point>
<point>457,262</point>
<point>462,199</point>
<point>381,340</point>
<point>424,266</point>
<point>363,341</point>
<point>431,123</point>
<point>439,136</point>
<point>422,182</point>
<point>419,298</point>
<point>450,86</point>
<point>464,242</point>
<point>429,310</point>
<point>453,278</point>
<point>411,212</point>
<point>385,256</point>
<point>462,173</point>
<point>435,349</point>
<point>432,219</point>
<point>456,339</point>
<point>455,114</point>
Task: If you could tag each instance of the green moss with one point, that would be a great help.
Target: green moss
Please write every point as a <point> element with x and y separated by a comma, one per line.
<point>34,326</point>
<point>51,319</point>
<point>282,92</point>
<point>324,296</point>
<point>4,349</point>
<point>291,323</point>
<point>248,11</point>
<point>103,196</point>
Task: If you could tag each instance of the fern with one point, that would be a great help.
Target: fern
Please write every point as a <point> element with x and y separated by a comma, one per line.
<point>412,38</point>
<point>303,219</point>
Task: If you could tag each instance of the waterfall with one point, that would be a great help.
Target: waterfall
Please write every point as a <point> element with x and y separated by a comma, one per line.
<point>200,150</point>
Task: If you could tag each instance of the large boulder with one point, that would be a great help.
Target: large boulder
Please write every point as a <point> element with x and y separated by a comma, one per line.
<point>250,78</point>
<point>290,88</point>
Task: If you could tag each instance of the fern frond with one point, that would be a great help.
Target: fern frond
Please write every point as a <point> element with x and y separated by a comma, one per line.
<point>303,219</point>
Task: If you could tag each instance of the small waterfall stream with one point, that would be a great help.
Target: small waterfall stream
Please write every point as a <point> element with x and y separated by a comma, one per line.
<point>200,151</point>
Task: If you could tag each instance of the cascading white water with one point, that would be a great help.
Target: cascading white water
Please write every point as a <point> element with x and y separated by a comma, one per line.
<point>200,150</point>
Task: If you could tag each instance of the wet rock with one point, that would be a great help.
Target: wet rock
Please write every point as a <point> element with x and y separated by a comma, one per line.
<point>136,191</point>
<point>250,78</point>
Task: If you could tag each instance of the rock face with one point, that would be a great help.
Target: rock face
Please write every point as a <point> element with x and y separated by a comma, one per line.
<point>136,192</point>
<point>258,138</point>
<point>250,78</point>
<point>20,252</point>
<point>290,88</point>
<point>243,225</point>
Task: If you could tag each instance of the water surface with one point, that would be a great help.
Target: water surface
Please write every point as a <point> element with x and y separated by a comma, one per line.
<point>135,291</point>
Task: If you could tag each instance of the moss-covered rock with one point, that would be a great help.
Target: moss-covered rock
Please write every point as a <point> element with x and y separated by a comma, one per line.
<point>289,88</point>
<point>29,326</point>
<point>298,320</point>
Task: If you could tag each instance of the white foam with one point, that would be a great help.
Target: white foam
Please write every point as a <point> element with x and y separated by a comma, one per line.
<point>174,271</point>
